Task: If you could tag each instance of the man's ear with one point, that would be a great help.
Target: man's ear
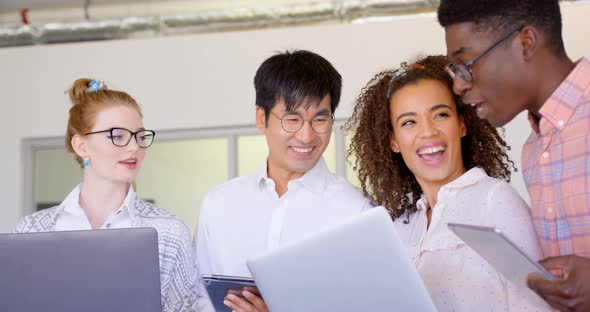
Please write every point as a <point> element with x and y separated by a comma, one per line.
<point>529,41</point>
<point>260,118</point>
<point>80,146</point>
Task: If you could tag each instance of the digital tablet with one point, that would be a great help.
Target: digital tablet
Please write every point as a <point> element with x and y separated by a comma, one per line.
<point>219,286</point>
<point>492,245</point>
<point>357,265</point>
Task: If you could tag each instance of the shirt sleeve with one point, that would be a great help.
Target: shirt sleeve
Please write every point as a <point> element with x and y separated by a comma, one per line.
<point>40,221</point>
<point>509,213</point>
<point>202,245</point>
<point>20,226</point>
<point>182,290</point>
<point>201,239</point>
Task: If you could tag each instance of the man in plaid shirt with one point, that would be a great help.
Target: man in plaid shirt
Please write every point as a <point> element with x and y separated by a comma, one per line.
<point>507,57</point>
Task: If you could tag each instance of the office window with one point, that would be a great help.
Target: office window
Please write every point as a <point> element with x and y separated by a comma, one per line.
<point>178,174</point>
<point>175,175</point>
<point>55,174</point>
<point>252,152</point>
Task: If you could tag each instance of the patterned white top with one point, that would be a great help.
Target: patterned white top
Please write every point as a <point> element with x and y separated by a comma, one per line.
<point>179,277</point>
<point>457,278</point>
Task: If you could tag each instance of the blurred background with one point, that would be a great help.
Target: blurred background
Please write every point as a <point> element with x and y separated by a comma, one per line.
<point>190,65</point>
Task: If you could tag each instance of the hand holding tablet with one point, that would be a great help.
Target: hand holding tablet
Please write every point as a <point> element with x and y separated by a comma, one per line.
<point>219,286</point>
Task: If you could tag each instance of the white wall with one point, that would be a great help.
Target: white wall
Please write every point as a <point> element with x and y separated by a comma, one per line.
<point>206,80</point>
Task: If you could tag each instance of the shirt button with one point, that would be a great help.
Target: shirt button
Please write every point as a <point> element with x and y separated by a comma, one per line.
<point>549,210</point>
<point>560,123</point>
<point>546,155</point>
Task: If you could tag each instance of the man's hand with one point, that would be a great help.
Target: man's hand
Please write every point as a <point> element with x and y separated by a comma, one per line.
<point>249,303</point>
<point>571,292</point>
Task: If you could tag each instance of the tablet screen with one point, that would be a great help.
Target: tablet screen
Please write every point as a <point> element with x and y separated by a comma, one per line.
<point>500,252</point>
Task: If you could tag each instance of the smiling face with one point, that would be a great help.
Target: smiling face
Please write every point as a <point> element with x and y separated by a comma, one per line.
<point>498,88</point>
<point>427,131</point>
<point>292,154</point>
<point>107,161</point>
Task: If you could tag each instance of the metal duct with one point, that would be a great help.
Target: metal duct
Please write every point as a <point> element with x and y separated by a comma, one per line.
<point>14,35</point>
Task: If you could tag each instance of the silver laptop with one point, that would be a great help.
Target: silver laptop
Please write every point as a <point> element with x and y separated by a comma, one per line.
<point>101,270</point>
<point>358,265</point>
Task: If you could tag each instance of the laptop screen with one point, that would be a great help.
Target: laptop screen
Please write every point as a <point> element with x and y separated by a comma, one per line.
<point>99,270</point>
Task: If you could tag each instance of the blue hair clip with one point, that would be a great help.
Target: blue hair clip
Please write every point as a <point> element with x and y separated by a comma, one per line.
<point>96,85</point>
<point>402,71</point>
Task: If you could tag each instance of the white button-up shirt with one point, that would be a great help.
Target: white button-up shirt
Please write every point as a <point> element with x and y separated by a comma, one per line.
<point>456,277</point>
<point>72,216</point>
<point>245,217</point>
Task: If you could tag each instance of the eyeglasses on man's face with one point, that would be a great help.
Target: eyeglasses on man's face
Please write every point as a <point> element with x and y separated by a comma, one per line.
<point>463,71</point>
<point>121,136</point>
<point>292,122</point>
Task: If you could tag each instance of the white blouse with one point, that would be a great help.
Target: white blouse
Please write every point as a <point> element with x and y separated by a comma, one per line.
<point>73,217</point>
<point>456,277</point>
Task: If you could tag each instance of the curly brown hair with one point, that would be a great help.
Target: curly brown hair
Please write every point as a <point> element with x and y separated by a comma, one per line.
<point>383,174</point>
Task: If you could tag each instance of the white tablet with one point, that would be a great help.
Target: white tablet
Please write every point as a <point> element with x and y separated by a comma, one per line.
<point>356,265</point>
<point>500,252</point>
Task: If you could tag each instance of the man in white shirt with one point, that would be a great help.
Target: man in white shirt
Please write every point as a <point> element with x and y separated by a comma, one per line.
<point>293,194</point>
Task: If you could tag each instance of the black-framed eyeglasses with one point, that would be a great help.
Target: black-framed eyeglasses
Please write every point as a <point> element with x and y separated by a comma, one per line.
<point>464,70</point>
<point>292,123</point>
<point>121,136</point>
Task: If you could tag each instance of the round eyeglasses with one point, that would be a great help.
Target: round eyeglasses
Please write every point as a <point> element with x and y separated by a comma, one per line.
<point>463,71</point>
<point>294,122</point>
<point>121,136</point>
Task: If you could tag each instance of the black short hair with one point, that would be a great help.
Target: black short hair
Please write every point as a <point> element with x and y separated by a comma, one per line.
<point>504,14</point>
<point>296,77</point>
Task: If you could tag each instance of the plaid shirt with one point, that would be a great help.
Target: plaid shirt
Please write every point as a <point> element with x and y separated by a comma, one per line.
<point>556,163</point>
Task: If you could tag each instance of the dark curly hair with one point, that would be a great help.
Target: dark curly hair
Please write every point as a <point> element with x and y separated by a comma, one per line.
<point>383,174</point>
<point>504,14</point>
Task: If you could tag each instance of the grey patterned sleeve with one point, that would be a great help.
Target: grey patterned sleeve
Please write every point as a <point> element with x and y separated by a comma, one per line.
<point>179,272</point>
<point>20,226</point>
<point>40,221</point>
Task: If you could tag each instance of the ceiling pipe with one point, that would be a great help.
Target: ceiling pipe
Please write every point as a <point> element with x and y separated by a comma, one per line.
<point>223,20</point>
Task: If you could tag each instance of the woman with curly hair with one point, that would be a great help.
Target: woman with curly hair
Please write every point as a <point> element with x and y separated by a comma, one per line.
<point>429,160</point>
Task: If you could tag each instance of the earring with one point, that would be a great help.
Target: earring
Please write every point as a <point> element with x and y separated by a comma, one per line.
<point>86,162</point>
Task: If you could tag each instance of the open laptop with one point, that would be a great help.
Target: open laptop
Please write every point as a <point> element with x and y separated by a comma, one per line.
<point>100,270</point>
<point>358,265</point>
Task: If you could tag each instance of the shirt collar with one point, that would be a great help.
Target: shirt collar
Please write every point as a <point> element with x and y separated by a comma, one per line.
<point>314,179</point>
<point>71,204</point>
<point>561,105</point>
<point>422,203</point>
<point>470,177</point>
